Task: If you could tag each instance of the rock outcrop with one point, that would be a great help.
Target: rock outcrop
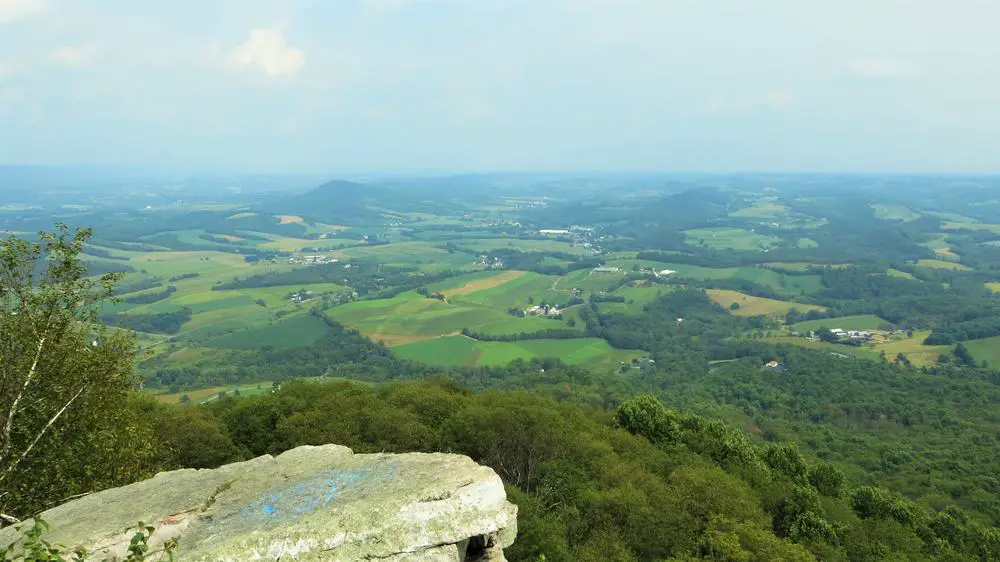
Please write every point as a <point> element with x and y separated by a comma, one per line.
<point>310,503</point>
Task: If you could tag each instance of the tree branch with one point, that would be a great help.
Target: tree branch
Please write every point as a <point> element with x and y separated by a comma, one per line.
<point>9,426</point>
<point>41,433</point>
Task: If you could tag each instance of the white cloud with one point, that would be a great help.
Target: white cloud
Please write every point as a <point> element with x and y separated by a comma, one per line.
<point>267,51</point>
<point>884,68</point>
<point>72,55</point>
<point>11,10</point>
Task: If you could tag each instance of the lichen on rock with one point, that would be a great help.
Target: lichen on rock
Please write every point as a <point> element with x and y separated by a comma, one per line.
<point>309,503</point>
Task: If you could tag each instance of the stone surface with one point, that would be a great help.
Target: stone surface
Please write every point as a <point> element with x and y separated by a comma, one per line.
<point>310,503</point>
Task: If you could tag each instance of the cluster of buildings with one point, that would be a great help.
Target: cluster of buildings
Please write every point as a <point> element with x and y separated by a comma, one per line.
<point>860,335</point>
<point>313,260</point>
<point>551,311</point>
<point>583,236</point>
<point>300,296</point>
<point>487,262</point>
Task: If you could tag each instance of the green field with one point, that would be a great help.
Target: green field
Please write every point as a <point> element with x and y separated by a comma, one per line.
<point>461,351</point>
<point>730,238</point>
<point>894,212</point>
<point>862,322</point>
<point>757,306</point>
<point>995,287</point>
<point>485,245</point>
<point>913,348</point>
<point>941,264</point>
<point>296,331</point>
<point>900,274</point>
<point>410,317</point>
<point>987,349</point>
<point>763,210</point>
<point>971,226</point>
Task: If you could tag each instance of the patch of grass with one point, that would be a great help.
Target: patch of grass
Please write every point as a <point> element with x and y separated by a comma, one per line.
<point>518,292</point>
<point>410,317</point>
<point>995,287</point>
<point>765,210</point>
<point>461,351</point>
<point>757,306</point>
<point>807,243</point>
<point>894,212</point>
<point>941,264</point>
<point>900,274</point>
<point>918,354</point>
<point>588,281</point>
<point>487,244</point>
<point>468,284</point>
<point>801,266</point>
<point>970,226</point>
<point>730,238</point>
<point>987,349</point>
<point>296,331</point>
<point>861,322</point>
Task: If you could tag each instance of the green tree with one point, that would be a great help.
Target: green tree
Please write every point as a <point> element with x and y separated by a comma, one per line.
<point>827,479</point>
<point>64,379</point>
<point>825,334</point>
<point>644,415</point>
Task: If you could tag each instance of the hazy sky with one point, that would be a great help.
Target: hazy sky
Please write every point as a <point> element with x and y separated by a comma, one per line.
<point>457,85</point>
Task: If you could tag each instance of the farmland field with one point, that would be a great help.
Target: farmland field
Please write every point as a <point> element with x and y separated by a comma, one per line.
<point>411,317</point>
<point>462,351</point>
<point>995,287</point>
<point>296,331</point>
<point>912,348</point>
<point>971,226</point>
<point>862,322</point>
<point>987,349</point>
<point>939,264</point>
<point>894,212</point>
<point>756,306</point>
<point>485,245</point>
<point>729,238</point>
<point>761,210</point>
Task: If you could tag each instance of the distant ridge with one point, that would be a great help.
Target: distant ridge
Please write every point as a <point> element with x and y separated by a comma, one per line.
<point>343,202</point>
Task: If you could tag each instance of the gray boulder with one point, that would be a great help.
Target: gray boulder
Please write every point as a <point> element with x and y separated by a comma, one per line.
<point>310,503</point>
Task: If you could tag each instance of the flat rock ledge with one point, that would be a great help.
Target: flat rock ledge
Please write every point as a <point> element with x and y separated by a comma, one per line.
<point>309,503</point>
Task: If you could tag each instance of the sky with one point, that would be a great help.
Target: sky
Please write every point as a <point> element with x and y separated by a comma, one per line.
<point>503,85</point>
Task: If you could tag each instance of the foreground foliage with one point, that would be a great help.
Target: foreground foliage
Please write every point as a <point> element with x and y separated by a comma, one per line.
<point>64,380</point>
<point>637,483</point>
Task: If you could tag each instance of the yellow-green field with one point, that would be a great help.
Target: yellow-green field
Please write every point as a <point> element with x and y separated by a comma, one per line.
<point>593,353</point>
<point>894,212</point>
<point>487,244</point>
<point>970,226</point>
<point>859,322</point>
<point>757,306</point>
<point>987,349</point>
<point>761,210</point>
<point>995,287</point>
<point>913,348</point>
<point>477,301</point>
<point>802,266</point>
<point>729,238</point>
<point>941,264</point>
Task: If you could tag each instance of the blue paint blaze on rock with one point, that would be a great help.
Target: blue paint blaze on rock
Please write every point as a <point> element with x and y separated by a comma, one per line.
<point>290,504</point>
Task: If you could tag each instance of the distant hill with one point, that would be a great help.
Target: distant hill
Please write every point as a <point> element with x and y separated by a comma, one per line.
<point>340,202</point>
